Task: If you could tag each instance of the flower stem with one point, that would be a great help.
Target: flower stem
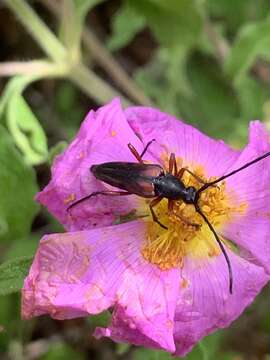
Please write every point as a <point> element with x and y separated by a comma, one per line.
<point>104,58</point>
<point>93,86</point>
<point>39,31</point>
<point>42,68</point>
<point>80,75</point>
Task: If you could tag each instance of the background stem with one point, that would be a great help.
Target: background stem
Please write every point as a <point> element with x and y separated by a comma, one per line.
<point>103,57</point>
<point>37,29</point>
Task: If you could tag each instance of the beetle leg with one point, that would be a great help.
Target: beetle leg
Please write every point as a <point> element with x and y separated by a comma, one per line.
<point>173,169</point>
<point>111,193</point>
<point>198,178</point>
<point>153,203</point>
<point>181,173</point>
<point>135,152</point>
<point>181,217</point>
<point>172,162</point>
<point>187,221</point>
<point>170,206</point>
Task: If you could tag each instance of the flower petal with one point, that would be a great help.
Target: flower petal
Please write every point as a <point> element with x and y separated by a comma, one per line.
<point>205,304</point>
<point>251,186</point>
<point>103,137</point>
<point>122,330</point>
<point>185,141</point>
<point>81,273</point>
<point>145,308</point>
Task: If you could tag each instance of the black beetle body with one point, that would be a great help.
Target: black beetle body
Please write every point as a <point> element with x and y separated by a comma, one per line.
<point>145,180</point>
<point>170,187</point>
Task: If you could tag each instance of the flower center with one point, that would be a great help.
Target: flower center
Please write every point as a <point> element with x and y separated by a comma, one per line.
<point>187,233</point>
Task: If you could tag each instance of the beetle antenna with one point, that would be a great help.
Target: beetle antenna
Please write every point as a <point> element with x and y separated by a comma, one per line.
<point>207,185</point>
<point>222,248</point>
<point>75,203</point>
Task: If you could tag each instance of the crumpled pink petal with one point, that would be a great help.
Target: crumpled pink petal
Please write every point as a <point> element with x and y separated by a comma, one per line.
<point>103,137</point>
<point>205,304</point>
<point>252,186</point>
<point>82,273</point>
<point>172,135</point>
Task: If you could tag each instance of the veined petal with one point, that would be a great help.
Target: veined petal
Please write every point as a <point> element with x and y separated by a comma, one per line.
<point>81,273</point>
<point>103,137</point>
<point>86,272</point>
<point>188,143</point>
<point>205,304</point>
<point>250,230</point>
<point>145,308</point>
<point>122,330</point>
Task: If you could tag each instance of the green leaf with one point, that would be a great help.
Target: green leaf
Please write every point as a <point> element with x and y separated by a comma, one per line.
<point>234,13</point>
<point>68,105</point>
<point>126,23</point>
<point>56,150</point>
<point>165,78</point>
<point>208,348</point>
<point>12,274</point>
<point>122,349</point>
<point>83,6</point>
<point>214,105</point>
<point>193,88</point>
<point>28,134</point>
<point>172,21</point>
<point>16,85</point>
<point>62,351</point>
<point>253,41</point>
<point>252,96</point>
<point>143,354</point>
<point>103,319</point>
<point>72,21</point>
<point>26,130</point>
<point>10,320</point>
<point>23,247</point>
<point>17,189</point>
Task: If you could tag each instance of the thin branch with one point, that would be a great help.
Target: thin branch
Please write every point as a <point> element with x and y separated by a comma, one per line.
<point>39,67</point>
<point>220,45</point>
<point>94,86</point>
<point>104,58</point>
<point>38,30</point>
<point>222,48</point>
<point>262,70</point>
<point>87,80</point>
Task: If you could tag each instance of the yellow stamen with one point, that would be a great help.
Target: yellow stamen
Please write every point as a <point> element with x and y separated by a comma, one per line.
<point>188,234</point>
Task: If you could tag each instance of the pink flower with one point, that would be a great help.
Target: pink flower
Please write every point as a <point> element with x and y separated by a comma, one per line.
<point>167,288</point>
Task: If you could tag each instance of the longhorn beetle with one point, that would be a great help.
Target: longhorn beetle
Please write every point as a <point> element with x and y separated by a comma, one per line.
<point>152,181</point>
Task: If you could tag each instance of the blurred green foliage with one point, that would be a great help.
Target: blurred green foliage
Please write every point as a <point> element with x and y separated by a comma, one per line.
<point>186,77</point>
<point>206,62</point>
<point>17,189</point>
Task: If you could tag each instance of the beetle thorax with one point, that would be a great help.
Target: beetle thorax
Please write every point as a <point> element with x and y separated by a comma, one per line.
<point>170,187</point>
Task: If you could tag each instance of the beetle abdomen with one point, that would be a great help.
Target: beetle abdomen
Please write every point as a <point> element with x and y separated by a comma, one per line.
<point>135,178</point>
